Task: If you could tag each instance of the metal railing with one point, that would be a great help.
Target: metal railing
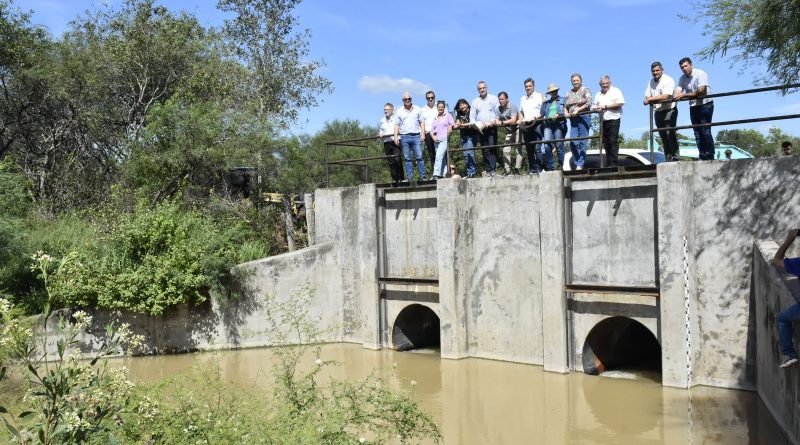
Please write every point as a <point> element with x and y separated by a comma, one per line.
<point>654,129</point>
<point>532,123</point>
<point>367,142</point>
<point>364,142</point>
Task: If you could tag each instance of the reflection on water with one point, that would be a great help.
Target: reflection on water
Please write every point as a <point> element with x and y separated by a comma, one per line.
<point>489,402</point>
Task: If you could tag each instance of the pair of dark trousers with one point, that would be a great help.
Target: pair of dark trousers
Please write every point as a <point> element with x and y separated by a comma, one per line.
<point>702,114</point>
<point>669,140</point>
<point>489,137</point>
<point>611,140</point>
<point>531,135</point>
<point>396,160</point>
<point>430,147</point>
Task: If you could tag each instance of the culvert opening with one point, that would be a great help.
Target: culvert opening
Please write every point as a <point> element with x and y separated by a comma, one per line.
<point>416,327</point>
<point>621,344</point>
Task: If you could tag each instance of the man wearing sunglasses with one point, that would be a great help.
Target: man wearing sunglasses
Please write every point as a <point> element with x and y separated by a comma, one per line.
<point>409,133</point>
<point>429,113</point>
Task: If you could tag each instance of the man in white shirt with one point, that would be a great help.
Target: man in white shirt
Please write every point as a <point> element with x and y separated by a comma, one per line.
<point>409,132</point>
<point>386,133</point>
<point>530,109</point>
<point>483,111</point>
<point>429,113</point>
<point>693,85</point>
<point>609,100</point>
<point>661,87</point>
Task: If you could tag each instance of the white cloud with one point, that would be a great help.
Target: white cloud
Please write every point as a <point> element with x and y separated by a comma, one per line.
<point>384,84</point>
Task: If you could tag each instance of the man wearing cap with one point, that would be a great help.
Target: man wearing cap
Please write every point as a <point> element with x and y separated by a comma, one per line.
<point>662,87</point>
<point>530,109</point>
<point>482,113</point>
<point>409,132</point>
<point>554,128</point>
<point>507,117</point>
<point>429,113</point>
<point>693,85</point>
<point>787,316</point>
<point>609,100</point>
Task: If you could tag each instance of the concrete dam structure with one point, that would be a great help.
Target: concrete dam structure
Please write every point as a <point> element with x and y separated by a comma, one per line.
<point>653,269</point>
<point>658,269</point>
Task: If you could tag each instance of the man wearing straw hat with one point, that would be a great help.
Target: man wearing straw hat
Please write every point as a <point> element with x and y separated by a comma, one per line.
<point>554,128</point>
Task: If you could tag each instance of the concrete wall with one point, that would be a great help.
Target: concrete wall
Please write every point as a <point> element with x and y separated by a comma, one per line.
<point>613,229</point>
<point>241,321</point>
<point>774,290</point>
<point>492,292</point>
<point>713,211</point>
<point>411,243</point>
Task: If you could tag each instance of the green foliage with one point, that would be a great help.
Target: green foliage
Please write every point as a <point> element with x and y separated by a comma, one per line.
<point>283,78</point>
<point>751,140</point>
<point>136,95</point>
<point>66,400</point>
<point>345,175</point>
<point>156,258</point>
<point>751,32</point>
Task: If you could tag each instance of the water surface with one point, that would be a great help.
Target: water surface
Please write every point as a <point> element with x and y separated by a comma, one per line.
<point>477,401</point>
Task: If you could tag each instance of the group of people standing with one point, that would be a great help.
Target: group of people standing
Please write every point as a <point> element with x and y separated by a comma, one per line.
<point>539,124</point>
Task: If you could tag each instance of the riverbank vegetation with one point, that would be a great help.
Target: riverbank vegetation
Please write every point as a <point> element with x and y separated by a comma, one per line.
<point>50,394</point>
<point>123,142</point>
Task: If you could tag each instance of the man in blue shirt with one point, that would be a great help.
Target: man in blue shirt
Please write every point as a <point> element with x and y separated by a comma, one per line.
<point>786,316</point>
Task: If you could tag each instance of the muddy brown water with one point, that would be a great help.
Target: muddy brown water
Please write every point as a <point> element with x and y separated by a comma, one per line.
<point>477,401</point>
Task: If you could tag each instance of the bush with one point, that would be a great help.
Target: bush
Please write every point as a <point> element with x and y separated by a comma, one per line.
<point>156,258</point>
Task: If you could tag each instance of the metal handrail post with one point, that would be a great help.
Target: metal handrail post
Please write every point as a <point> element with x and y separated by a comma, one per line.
<point>601,145</point>
<point>652,139</point>
<point>366,164</point>
<point>327,168</point>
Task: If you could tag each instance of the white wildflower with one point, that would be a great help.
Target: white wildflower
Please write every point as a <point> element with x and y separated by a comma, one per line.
<point>413,382</point>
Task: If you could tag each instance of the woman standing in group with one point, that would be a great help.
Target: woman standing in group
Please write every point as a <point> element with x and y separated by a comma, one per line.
<point>440,131</point>
<point>579,99</point>
<point>469,135</point>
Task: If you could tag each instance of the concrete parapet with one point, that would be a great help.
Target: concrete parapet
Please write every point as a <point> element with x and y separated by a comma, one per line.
<point>552,250</point>
<point>775,290</point>
<point>713,211</point>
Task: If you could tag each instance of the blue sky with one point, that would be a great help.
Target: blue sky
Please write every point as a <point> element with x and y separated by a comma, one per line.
<point>375,50</point>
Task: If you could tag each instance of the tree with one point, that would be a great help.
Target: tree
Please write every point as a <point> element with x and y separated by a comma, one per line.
<point>751,140</point>
<point>264,34</point>
<point>752,32</point>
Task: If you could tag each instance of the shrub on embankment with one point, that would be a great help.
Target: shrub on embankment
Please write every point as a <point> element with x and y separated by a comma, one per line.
<point>145,260</point>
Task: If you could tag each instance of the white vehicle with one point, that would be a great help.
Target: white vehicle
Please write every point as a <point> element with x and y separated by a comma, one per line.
<point>626,158</point>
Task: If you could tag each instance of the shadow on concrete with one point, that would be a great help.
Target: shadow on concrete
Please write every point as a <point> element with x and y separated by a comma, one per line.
<point>621,343</point>
<point>416,327</point>
<point>749,200</point>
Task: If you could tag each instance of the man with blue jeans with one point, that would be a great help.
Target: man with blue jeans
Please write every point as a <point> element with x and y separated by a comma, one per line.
<point>786,316</point>
<point>409,133</point>
<point>693,85</point>
<point>483,112</point>
<point>554,128</point>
